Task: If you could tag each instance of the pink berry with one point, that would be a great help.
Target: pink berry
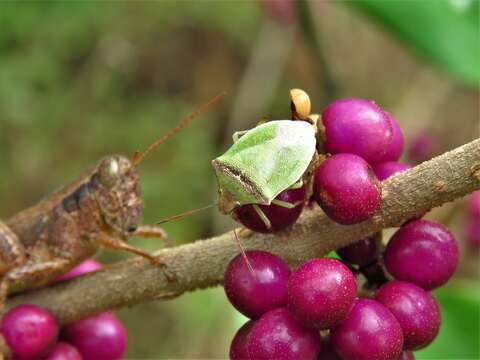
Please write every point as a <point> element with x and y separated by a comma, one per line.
<point>395,149</point>
<point>422,147</point>
<point>346,189</point>
<point>82,268</point>
<point>472,233</point>
<point>282,11</point>
<point>99,337</point>
<point>321,292</point>
<point>29,330</point>
<point>370,332</point>
<point>359,127</point>
<point>416,311</point>
<point>473,206</point>
<point>264,290</point>
<point>64,351</point>
<point>279,217</point>
<point>238,346</point>
<point>363,252</point>
<point>422,252</point>
<point>384,170</point>
<point>407,355</point>
<point>277,335</point>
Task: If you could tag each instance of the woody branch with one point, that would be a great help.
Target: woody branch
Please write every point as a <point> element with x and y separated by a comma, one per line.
<point>201,264</point>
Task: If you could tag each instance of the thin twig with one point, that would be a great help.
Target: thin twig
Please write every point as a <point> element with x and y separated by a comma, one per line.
<point>201,264</point>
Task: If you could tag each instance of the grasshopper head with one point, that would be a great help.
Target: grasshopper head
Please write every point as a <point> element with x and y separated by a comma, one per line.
<point>118,194</point>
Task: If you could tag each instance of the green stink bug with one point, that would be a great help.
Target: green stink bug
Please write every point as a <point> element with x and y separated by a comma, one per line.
<point>263,162</point>
<point>261,172</point>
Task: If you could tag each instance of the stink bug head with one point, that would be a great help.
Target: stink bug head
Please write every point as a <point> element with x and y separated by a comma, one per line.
<point>118,194</point>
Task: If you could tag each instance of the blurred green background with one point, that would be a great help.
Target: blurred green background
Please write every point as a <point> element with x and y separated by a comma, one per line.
<point>80,80</point>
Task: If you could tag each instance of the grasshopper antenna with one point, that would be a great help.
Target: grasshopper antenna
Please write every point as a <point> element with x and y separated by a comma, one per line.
<point>138,157</point>
<point>185,214</point>
<point>244,255</point>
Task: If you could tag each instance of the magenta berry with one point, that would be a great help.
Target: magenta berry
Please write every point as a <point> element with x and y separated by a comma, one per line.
<point>282,11</point>
<point>473,206</point>
<point>99,337</point>
<point>277,335</point>
<point>64,351</point>
<point>416,311</point>
<point>82,268</point>
<point>346,189</point>
<point>386,169</point>
<point>395,149</point>
<point>370,332</point>
<point>238,346</point>
<point>279,217</point>
<point>255,294</point>
<point>422,147</point>
<point>321,292</point>
<point>359,127</point>
<point>422,252</point>
<point>407,355</point>
<point>363,252</point>
<point>29,330</point>
<point>472,233</point>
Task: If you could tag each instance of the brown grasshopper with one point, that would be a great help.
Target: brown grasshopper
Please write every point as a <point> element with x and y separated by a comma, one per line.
<point>104,207</point>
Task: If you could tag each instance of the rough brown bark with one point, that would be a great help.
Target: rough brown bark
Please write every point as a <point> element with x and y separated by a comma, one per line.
<point>201,264</point>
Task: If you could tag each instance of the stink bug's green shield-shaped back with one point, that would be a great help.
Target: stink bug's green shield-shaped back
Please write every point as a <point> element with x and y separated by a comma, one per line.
<point>265,161</point>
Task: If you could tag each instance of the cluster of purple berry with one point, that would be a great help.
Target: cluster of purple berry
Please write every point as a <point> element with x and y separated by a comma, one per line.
<point>32,333</point>
<point>472,221</point>
<point>321,311</point>
<point>329,309</point>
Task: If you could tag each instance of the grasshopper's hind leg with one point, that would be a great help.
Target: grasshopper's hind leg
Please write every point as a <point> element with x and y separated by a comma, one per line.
<point>12,255</point>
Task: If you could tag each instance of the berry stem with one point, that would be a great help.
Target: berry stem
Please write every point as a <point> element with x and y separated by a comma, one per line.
<point>201,264</point>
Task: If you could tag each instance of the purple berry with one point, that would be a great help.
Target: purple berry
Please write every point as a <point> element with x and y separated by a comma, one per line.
<point>363,252</point>
<point>282,11</point>
<point>472,233</point>
<point>321,292</point>
<point>395,149</point>
<point>280,217</point>
<point>238,346</point>
<point>346,189</point>
<point>64,351</point>
<point>422,147</point>
<point>386,169</point>
<point>29,331</point>
<point>82,268</point>
<point>422,252</point>
<point>407,355</point>
<point>99,337</point>
<point>473,206</point>
<point>359,127</point>
<point>416,311</point>
<point>277,335</point>
<point>264,290</point>
<point>370,332</point>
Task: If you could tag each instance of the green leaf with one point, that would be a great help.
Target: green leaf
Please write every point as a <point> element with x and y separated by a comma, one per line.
<point>445,32</point>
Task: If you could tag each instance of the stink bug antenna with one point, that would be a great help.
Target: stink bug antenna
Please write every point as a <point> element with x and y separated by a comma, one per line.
<point>185,214</point>
<point>138,157</point>
<point>244,255</point>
